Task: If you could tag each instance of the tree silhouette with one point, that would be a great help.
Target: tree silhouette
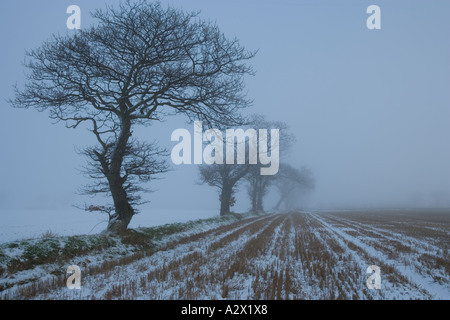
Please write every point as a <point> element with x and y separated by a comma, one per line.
<point>292,183</point>
<point>139,64</point>
<point>225,177</point>
<point>258,185</point>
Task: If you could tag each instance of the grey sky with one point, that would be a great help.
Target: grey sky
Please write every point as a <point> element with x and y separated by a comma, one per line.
<point>370,108</point>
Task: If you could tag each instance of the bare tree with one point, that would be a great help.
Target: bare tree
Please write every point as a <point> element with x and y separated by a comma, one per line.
<point>258,185</point>
<point>225,177</point>
<point>140,63</point>
<point>257,188</point>
<point>291,183</point>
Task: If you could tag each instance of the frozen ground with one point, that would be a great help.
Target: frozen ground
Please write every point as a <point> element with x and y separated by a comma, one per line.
<point>20,224</point>
<point>308,255</point>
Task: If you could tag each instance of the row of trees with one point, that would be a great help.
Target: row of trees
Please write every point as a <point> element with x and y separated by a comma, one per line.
<point>290,182</point>
<point>139,64</point>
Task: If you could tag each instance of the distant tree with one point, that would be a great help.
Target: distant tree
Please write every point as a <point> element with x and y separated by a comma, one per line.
<point>292,183</point>
<point>257,188</point>
<point>225,177</point>
<point>140,63</point>
<point>258,185</point>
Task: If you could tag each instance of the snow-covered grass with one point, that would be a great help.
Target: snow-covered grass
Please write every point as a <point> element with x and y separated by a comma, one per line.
<point>308,255</point>
<point>28,261</point>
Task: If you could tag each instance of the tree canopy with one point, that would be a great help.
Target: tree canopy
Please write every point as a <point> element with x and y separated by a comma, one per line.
<point>140,63</point>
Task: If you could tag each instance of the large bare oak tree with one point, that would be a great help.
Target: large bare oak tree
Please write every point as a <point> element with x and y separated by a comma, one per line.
<point>138,64</point>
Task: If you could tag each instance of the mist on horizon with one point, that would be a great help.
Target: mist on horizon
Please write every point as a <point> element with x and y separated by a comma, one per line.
<point>370,109</point>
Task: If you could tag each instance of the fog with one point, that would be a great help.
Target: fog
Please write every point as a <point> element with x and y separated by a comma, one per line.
<point>370,108</point>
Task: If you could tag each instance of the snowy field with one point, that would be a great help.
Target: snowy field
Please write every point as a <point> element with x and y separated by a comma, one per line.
<point>24,224</point>
<point>309,255</point>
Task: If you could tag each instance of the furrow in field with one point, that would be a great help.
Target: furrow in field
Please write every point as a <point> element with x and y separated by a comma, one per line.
<point>401,241</point>
<point>413,278</point>
<point>426,258</point>
<point>254,257</point>
<point>327,269</point>
<point>194,270</point>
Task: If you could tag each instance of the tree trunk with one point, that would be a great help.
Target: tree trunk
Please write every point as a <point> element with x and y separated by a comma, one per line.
<point>123,210</point>
<point>259,203</point>
<point>225,199</point>
<point>254,198</point>
<point>283,196</point>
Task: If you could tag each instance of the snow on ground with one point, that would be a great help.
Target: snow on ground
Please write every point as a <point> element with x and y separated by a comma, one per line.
<point>103,284</point>
<point>283,256</point>
<point>419,279</point>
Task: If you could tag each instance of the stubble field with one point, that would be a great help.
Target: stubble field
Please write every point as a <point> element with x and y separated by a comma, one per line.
<point>304,255</point>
